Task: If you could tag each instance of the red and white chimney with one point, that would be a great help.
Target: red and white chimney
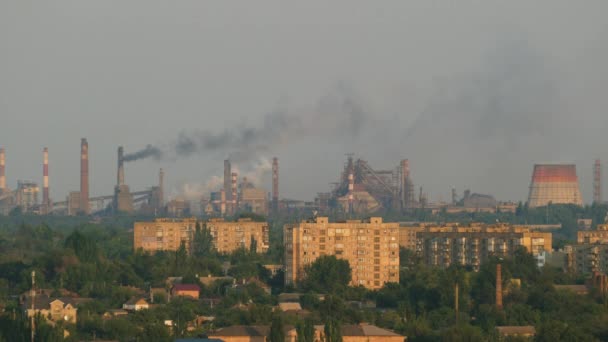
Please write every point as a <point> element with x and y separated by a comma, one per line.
<point>2,174</point>
<point>46,202</point>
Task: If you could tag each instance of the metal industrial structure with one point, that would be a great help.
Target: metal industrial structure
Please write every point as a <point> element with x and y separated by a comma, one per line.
<point>554,184</point>
<point>363,189</point>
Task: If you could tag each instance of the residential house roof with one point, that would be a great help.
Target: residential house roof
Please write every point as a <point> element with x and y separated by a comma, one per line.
<point>516,330</point>
<point>186,287</point>
<point>362,329</point>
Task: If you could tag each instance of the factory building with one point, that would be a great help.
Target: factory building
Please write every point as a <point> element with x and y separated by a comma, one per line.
<point>229,236</point>
<point>27,195</point>
<point>371,248</point>
<point>472,245</point>
<point>555,184</point>
<point>252,199</point>
<point>363,189</point>
<point>168,234</point>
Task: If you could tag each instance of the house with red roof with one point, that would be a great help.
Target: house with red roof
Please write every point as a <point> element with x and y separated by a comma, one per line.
<point>186,290</point>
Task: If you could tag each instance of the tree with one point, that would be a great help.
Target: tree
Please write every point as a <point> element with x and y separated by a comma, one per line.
<point>277,331</point>
<point>84,246</point>
<point>332,331</point>
<point>203,241</point>
<point>327,274</point>
<point>305,331</point>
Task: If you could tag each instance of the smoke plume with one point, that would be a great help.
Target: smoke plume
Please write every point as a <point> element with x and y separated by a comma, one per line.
<point>148,152</point>
<point>338,114</point>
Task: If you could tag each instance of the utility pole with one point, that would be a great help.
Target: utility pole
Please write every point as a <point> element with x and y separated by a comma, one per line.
<point>33,299</point>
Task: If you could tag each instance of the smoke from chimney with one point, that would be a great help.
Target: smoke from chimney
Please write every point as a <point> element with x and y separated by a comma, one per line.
<point>340,110</point>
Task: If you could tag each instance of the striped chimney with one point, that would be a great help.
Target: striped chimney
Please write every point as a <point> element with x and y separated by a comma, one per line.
<point>46,202</point>
<point>234,196</point>
<point>84,176</point>
<point>2,174</point>
<point>222,202</point>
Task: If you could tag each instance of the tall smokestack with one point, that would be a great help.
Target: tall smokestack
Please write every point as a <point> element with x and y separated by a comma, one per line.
<point>227,180</point>
<point>351,188</point>
<point>499,286</point>
<point>46,202</point>
<point>234,196</point>
<point>84,176</point>
<point>120,177</point>
<point>161,189</point>
<point>275,185</point>
<point>2,170</point>
<point>405,188</point>
<point>222,202</point>
<point>597,182</point>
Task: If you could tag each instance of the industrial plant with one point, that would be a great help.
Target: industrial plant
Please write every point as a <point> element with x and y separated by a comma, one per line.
<point>361,190</point>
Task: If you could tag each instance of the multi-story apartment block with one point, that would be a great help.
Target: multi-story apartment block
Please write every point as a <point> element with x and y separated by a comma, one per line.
<point>590,254</point>
<point>228,236</point>
<point>371,248</point>
<point>163,234</point>
<point>599,235</point>
<point>472,245</point>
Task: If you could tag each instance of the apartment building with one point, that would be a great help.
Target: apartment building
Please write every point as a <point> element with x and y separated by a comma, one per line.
<point>371,248</point>
<point>168,234</point>
<point>163,234</point>
<point>473,244</point>
<point>229,236</point>
<point>590,254</point>
<point>599,235</point>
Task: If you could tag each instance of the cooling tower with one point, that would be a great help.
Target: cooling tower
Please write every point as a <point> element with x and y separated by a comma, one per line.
<point>554,183</point>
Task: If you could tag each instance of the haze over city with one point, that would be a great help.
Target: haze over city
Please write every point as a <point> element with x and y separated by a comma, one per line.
<point>473,93</point>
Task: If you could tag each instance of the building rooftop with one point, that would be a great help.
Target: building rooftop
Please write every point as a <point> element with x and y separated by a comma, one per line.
<point>516,330</point>
<point>186,287</point>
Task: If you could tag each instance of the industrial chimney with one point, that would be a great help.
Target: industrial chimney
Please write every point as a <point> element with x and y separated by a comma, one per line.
<point>351,189</point>
<point>227,180</point>
<point>222,202</point>
<point>161,190</point>
<point>499,286</point>
<point>46,202</point>
<point>84,176</point>
<point>120,176</point>
<point>597,182</point>
<point>2,170</point>
<point>233,204</point>
<point>275,185</point>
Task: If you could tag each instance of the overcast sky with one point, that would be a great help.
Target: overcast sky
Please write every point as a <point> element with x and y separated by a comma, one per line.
<point>472,92</point>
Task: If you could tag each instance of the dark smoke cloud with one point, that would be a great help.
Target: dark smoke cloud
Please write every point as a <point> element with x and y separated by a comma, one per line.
<point>148,152</point>
<point>487,128</point>
<point>338,114</point>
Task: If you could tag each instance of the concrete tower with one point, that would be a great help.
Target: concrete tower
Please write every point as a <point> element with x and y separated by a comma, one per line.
<point>554,183</point>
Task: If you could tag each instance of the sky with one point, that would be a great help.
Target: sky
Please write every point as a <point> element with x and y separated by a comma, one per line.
<point>473,93</point>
